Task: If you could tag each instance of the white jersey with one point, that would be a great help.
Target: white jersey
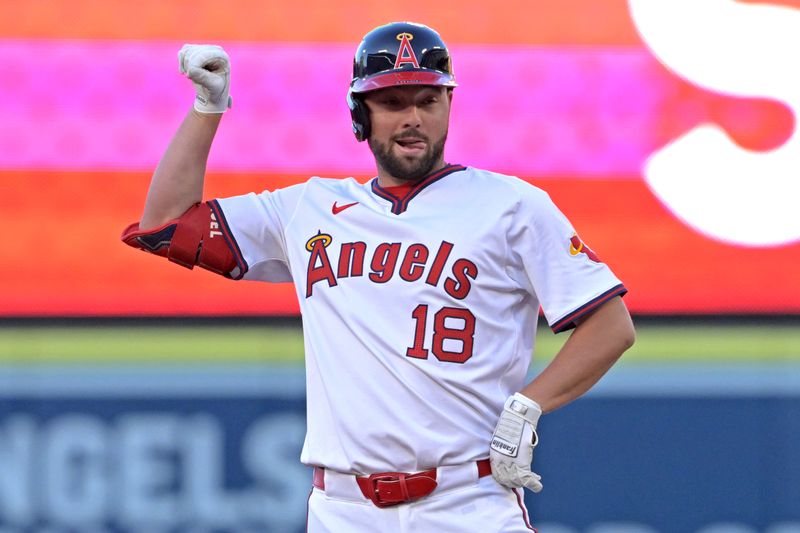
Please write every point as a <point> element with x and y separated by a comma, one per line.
<point>419,313</point>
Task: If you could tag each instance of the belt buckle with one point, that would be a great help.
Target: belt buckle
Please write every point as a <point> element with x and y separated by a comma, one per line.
<point>375,494</point>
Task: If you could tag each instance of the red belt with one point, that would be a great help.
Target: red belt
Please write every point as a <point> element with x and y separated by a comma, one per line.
<point>392,488</point>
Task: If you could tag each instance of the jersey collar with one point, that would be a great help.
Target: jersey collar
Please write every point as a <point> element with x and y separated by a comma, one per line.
<point>399,205</point>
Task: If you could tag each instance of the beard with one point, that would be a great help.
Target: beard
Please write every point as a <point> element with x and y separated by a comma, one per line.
<point>405,168</point>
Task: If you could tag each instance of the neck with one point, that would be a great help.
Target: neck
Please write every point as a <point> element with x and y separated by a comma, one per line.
<point>387,180</point>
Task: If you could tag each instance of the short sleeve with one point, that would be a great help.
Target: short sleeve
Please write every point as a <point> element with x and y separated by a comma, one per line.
<point>568,278</point>
<point>254,226</point>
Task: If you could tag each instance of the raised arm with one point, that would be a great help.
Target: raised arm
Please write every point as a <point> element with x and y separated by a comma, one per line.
<point>176,224</point>
<point>177,182</point>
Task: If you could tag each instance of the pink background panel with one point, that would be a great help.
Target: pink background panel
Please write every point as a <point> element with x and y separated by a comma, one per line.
<point>522,110</point>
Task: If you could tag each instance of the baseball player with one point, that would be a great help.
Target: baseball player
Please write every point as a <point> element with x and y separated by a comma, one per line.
<point>419,292</point>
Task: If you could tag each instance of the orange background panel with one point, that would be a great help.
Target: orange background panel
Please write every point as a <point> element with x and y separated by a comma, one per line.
<point>463,21</point>
<point>667,266</point>
<point>65,257</point>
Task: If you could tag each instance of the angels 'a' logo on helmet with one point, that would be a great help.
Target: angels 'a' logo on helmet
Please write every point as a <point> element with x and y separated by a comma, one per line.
<point>405,53</point>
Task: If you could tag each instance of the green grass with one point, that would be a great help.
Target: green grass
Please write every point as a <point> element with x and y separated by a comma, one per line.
<point>655,344</point>
<point>702,343</point>
<point>150,344</point>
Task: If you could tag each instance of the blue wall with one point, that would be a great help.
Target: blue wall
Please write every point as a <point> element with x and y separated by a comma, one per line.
<point>673,464</point>
<point>216,448</point>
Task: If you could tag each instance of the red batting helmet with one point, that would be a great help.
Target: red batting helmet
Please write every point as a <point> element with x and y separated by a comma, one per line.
<point>400,53</point>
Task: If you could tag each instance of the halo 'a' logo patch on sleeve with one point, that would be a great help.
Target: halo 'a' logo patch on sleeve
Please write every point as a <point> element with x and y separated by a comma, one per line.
<point>577,246</point>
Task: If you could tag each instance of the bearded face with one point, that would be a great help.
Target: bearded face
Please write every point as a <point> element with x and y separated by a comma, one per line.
<point>409,156</point>
<point>409,127</point>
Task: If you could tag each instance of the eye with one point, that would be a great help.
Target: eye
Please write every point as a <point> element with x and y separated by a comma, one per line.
<point>429,99</point>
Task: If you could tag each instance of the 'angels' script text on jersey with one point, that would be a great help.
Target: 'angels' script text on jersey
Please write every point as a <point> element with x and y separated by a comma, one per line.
<point>383,264</point>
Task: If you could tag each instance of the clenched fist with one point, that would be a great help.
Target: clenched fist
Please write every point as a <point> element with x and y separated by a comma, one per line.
<point>514,439</point>
<point>209,68</point>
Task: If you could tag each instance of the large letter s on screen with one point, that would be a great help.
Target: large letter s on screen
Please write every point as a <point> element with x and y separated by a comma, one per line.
<point>712,184</point>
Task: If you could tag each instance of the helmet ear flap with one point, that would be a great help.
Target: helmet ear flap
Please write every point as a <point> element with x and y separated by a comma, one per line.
<point>359,115</point>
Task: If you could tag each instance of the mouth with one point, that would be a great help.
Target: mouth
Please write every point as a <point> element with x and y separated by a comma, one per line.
<point>411,145</point>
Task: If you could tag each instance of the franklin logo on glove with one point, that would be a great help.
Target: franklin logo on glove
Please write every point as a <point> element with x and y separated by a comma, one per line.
<point>514,439</point>
<point>504,447</point>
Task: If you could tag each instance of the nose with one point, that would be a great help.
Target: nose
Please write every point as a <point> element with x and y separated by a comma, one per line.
<point>411,118</point>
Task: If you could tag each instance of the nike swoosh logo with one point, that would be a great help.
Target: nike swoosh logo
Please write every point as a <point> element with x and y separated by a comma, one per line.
<point>336,209</point>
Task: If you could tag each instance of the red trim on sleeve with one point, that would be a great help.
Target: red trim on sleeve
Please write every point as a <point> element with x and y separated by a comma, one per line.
<point>570,321</point>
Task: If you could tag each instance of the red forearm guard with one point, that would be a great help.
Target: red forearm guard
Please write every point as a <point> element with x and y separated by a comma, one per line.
<point>192,239</point>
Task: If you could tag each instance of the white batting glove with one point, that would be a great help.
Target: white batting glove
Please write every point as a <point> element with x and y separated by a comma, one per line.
<point>209,68</point>
<point>514,439</point>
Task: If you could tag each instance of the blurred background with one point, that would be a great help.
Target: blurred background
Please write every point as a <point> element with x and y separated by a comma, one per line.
<point>137,396</point>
